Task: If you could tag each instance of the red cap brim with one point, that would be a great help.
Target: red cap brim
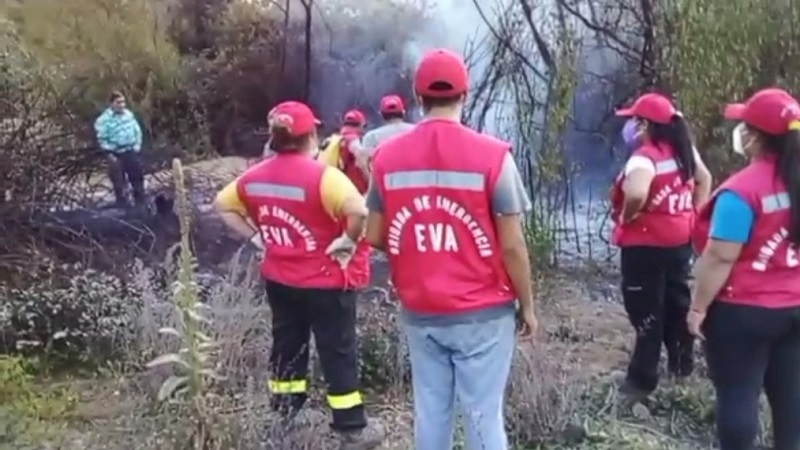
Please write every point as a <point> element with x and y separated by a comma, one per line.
<point>625,112</point>
<point>734,111</point>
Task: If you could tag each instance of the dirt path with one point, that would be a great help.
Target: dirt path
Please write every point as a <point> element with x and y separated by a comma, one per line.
<point>593,335</point>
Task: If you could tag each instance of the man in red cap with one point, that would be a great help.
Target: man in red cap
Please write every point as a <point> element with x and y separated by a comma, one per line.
<point>345,151</point>
<point>393,112</point>
<point>309,218</point>
<point>449,220</point>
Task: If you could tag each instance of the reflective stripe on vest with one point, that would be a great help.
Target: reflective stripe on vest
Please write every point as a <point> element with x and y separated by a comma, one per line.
<point>666,166</point>
<point>419,179</point>
<point>775,202</point>
<point>282,191</point>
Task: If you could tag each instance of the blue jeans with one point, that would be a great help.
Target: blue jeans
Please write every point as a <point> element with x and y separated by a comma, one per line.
<point>470,362</point>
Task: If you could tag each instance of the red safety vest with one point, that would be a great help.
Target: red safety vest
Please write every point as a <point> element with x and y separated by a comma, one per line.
<point>667,217</point>
<point>440,237</point>
<point>361,258</point>
<point>282,197</point>
<point>767,273</point>
<point>348,162</point>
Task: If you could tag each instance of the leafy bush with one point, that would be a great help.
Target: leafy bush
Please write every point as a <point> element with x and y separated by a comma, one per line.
<point>82,320</point>
<point>719,54</point>
<point>383,354</point>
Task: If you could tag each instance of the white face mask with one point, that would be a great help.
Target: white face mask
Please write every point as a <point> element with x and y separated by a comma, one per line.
<point>738,139</point>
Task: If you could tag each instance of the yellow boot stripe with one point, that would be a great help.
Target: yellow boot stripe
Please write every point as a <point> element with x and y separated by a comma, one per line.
<point>345,401</point>
<point>288,387</point>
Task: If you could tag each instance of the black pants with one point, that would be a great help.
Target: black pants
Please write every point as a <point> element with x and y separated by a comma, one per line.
<point>655,289</point>
<point>331,315</point>
<point>122,166</point>
<point>750,348</point>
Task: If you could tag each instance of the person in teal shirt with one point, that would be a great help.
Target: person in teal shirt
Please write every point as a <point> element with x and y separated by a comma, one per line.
<point>120,138</point>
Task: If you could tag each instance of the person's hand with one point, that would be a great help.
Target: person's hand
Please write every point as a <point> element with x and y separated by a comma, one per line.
<point>528,324</point>
<point>694,320</point>
<point>341,249</point>
<point>257,241</point>
<point>625,222</point>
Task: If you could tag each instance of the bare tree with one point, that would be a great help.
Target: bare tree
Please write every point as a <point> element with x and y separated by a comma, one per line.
<point>307,10</point>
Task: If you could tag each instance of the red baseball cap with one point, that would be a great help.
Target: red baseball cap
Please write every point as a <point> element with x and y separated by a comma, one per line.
<point>354,117</point>
<point>392,104</point>
<point>653,107</point>
<point>772,111</point>
<point>441,74</point>
<point>296,117</point>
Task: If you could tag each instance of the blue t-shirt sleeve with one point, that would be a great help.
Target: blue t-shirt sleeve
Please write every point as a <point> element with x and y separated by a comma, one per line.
<point>732,218</point>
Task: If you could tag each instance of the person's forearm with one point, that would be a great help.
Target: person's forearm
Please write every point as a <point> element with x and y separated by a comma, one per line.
<point>355,226</point>
<point>519,271</point>
<point>237,223</point>
<point>374,234</point>
<point>710,276</point>
<point>702,191</point>
<point>630,208</point>
<point>703,180</point>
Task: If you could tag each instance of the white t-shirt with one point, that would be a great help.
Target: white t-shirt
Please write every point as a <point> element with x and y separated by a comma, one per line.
<point>639,162</point>
<point>643,162</point>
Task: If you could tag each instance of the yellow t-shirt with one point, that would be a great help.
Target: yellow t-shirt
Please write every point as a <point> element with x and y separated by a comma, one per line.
<point>331,154</point>
<point>334,189</point>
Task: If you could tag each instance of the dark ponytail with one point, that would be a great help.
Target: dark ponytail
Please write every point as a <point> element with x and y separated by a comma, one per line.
<point>679,136</point>
<point>787,147</point>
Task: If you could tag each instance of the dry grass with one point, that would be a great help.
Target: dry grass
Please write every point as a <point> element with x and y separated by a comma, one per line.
<point>556,393</point>
<point>557,397</point>
<point>119,409</point>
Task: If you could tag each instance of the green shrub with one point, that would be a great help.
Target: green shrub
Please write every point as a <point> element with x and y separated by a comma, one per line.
<point>80,320</point>
<point>28,413</point>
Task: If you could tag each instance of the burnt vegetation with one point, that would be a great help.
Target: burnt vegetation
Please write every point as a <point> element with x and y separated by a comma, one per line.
<point>98,294</point>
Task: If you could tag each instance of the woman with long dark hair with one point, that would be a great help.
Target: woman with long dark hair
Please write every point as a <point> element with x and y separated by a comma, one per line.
<point>654,202</point>
<point>746,301</point>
